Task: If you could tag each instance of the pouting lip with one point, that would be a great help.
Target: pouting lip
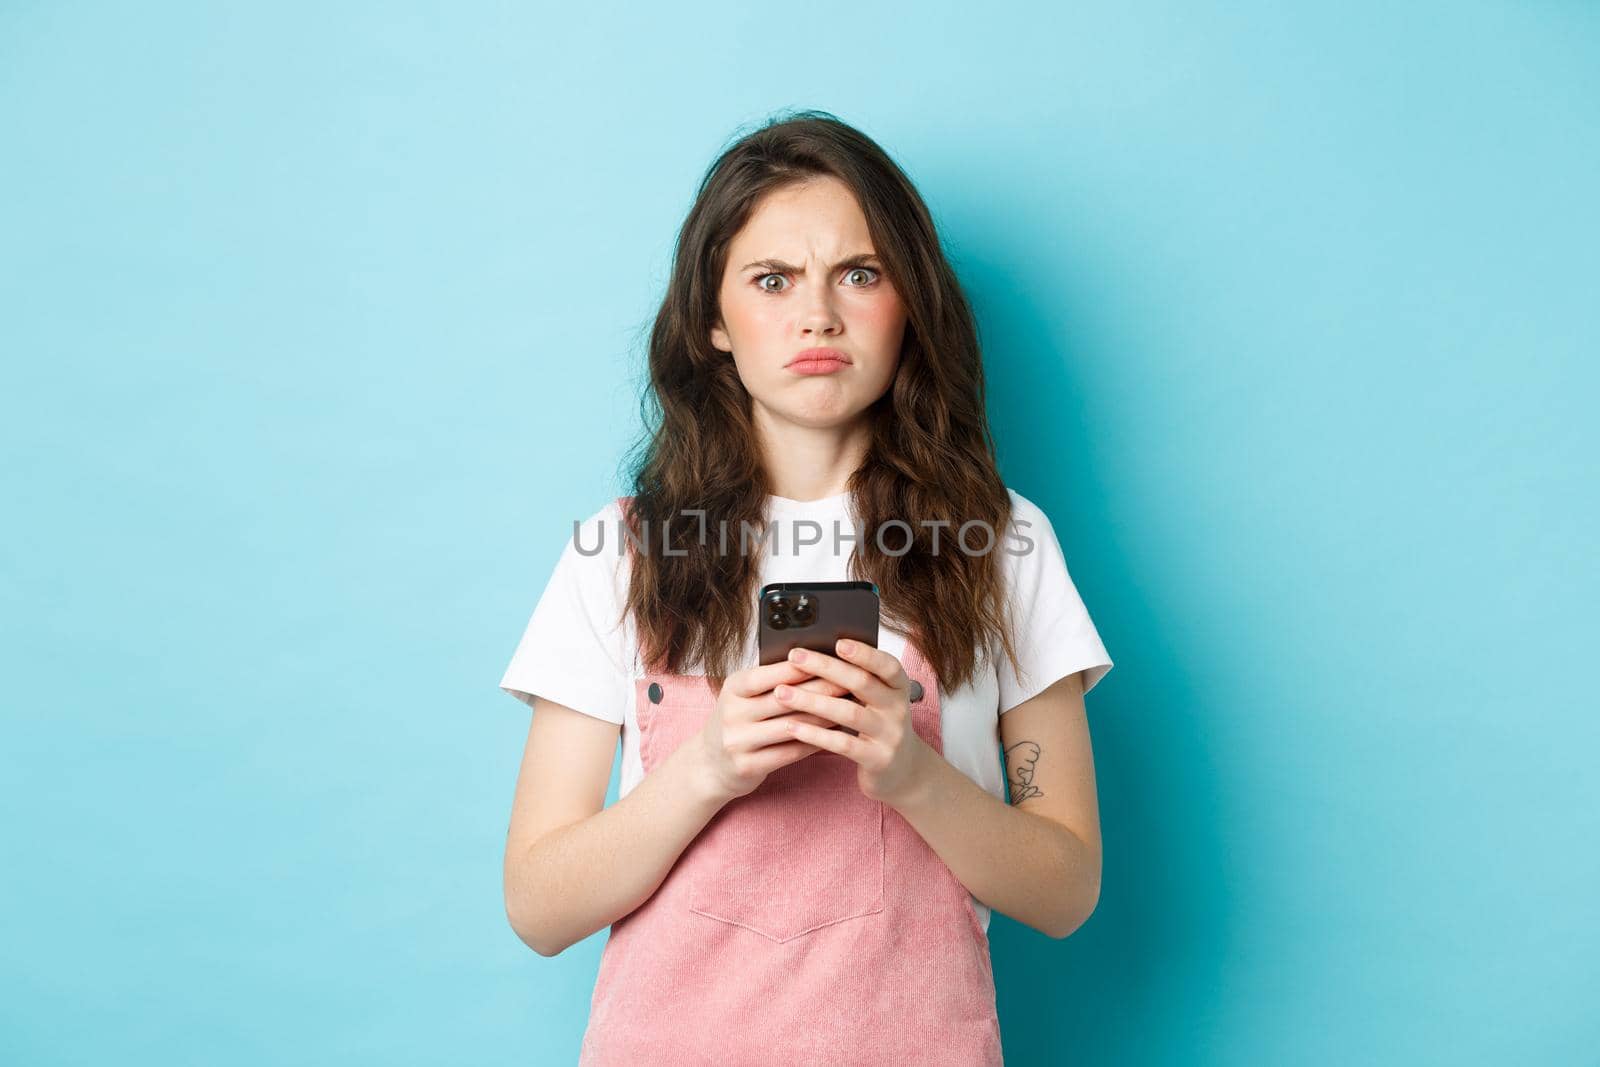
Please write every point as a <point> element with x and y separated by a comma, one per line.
<point>820,353</point>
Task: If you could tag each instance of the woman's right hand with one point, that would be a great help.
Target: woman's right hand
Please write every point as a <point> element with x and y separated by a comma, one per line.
<point>746,737</point>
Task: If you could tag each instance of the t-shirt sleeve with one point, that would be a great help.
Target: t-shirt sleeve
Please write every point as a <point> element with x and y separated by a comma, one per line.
<point>1055,636</point>
<point>573,650</point>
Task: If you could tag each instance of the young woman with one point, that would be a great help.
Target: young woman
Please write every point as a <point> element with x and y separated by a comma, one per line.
<point>803,856</point>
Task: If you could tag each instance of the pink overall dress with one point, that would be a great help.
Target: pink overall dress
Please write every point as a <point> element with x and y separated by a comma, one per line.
<point>805,924</point>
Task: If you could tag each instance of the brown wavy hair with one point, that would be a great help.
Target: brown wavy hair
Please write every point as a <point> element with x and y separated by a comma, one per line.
<point>930,455</point>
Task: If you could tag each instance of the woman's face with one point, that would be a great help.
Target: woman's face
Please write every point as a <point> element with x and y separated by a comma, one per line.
<point>802,274</point>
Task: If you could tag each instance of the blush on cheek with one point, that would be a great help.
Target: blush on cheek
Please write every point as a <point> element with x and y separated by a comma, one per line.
<point>885,305</point>
<point>883,318</point>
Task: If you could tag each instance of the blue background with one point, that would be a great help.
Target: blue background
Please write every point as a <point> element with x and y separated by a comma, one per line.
<point>322,322</point>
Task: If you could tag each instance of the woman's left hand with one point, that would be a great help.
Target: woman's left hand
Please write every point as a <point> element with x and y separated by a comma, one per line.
<point>890,755</point>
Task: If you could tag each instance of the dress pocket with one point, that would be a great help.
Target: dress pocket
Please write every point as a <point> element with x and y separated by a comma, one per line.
<point>802,851</point>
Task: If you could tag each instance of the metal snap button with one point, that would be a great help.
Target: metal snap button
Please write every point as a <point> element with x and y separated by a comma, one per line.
<point>654,692</point>
<point>916,690</point>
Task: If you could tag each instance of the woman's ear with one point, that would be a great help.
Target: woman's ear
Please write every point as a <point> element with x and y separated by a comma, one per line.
<point>719,339</point>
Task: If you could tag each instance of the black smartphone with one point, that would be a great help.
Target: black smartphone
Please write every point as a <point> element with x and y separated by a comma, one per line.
<point>815,615</point>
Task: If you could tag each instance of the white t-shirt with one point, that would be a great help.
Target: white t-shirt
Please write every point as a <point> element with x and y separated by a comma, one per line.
<point>573,653</point>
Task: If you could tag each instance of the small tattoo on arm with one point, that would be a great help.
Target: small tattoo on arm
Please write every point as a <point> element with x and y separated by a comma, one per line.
<point>1020,761</point>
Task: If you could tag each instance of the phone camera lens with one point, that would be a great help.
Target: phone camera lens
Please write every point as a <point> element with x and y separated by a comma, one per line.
<point>778,620</point>
<point>805,611</point>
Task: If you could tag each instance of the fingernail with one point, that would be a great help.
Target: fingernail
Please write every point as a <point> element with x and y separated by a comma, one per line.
<point>847,646</point>
<point>797,654</point>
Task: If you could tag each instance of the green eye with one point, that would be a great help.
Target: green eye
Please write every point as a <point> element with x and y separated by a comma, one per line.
<point>759,281</point>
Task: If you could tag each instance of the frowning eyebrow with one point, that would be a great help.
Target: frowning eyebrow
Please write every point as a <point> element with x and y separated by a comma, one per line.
<point>778,266</point>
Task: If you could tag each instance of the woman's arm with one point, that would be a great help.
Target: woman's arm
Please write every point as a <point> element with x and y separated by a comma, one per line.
<point>1036,859</point>
<point>574,866</point>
